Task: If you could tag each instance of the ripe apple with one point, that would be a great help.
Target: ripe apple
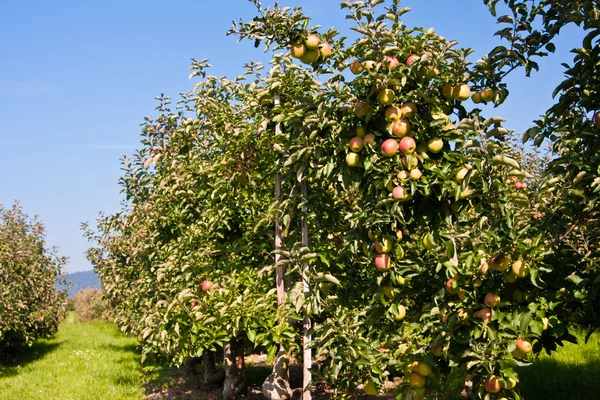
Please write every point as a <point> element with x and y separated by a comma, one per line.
<point>325,50</point>
<point>383,245</point>
<point>499,262</point>
<point>386,96</point>
<point>400,127</point>
<point>362,109</point>
<point>407,145</point>
<point>387,291</point>
<point>435,145</point>
<point>401,313</point>
<point>460,175</point>
<point>415,174</point>
<point>476,97</point>
<point>370,388</point>
<point>389,148</point>
<point>391,62</point>
<point>461,92</point>
<point>417,380</point>
<point>369,65</point>
<point>485,314</point>
<point>356,144</point>
<point>369,139</point>
<point>421,368</point>
<point>352,160</point>
<point>411,59</point>
<point>206,285</point>
<point>382,262</point>
<point>519,269</point>
<point>310,56</point>
<point>398,193</point>
<point>361,131</point>
<point>491,300</point>
<point>447,90</point>
<point>312,42</point>
<point>492,384</point>
<point>487,94</point>
<point>408,109</point>
<point>298,50</point>
<point>597,119</point>
<point>403,176</point>
<point>429,241</point>
<point>356,67</point>
<point>392,113</point>
<point>414,162</point>
<point>524,346</point>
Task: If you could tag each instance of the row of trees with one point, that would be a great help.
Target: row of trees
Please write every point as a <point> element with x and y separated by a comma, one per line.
<point>31,306</point>
<point>411,236</point>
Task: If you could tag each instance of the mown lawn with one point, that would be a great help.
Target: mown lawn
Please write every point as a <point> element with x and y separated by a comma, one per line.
<point>83,361</point>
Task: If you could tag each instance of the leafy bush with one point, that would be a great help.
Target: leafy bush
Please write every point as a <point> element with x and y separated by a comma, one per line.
<point>89,305</point>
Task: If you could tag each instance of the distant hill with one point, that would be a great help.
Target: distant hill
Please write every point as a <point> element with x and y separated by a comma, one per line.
<point>82,280</point>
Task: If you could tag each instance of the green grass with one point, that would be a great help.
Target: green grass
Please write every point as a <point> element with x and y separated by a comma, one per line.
<point>83,361</point>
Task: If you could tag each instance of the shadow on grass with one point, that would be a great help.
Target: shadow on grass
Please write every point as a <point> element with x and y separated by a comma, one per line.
<point>12,360</point>
<point>127,348</point>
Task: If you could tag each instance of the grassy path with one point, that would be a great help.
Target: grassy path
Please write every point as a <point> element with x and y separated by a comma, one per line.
<point>83,361</point>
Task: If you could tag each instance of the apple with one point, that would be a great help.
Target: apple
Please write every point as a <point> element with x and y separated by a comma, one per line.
<point>411,59</point>
<point>352,160</point>
<point>436,350</point>
<point>407,145</point>
<point>206,285</point>
<point>391,62</point>
<point>461,92</point>
<point>310,56</point>
<point>298,50</point>
<point>431,72</point>
<point>369,65</point>
<point>392,113</point>
<point>398,193</point>
<point>519,269</point>
<point>194,304</point>
<point>518,354</point>
<point>429,241</point>
<point>499,262</point>
<point>312,42</point>
<point>449,284</point>
<point>386,96</point>
<point>485,314</point>
<point>465,193</point>
<point>435,145</point>
<point>356,67</point>
<point>400,127</point>
<point>524,346</point>
<point>401,313</point>
<point>597,119</point>
<point>447,90</point>
<point>362,109</point>
<point>356,144</point>
<point>325,50</point>
<point>492,384</point>
<point>491,300</point>
<point>389,148</point>
<point>518,295</point>
<point>462,172</point>
<point>487,94</point>
<point>510,383</point>
<point>382,262</point>
<point>415,174</point>
<point>417,380</point>
<point>383,246</point>
<point>361,131</point>
<point>476,97</point>
<point>403,176</point>
<point>369,139</point>
<point>408,109</point>
<point>387,291</point>
<point>421,368</point>
<point>399,234</point>
<point>414,162</point>
<point>400,280</point>
<point>370,388</point>
<point>419,394</point>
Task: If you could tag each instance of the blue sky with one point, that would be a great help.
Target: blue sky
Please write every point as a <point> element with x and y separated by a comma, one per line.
<point>78,77</point>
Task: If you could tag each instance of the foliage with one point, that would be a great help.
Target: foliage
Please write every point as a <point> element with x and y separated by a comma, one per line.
<point>30,306</point>
<point>89,305</point>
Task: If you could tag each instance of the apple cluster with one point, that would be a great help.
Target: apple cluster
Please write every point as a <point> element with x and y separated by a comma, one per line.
<point>311,49</point>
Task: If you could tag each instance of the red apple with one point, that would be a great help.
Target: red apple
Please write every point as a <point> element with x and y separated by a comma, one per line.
<point>356,144</point>
<point>414,162</point>
<point>325,49</point>
<point>499,262</point>
<point>524,346</point>
<point>398,193</point>
<point>449,284</point>
<point>411,59</point>
<point>206,285</point>
<point>362,109</point>
<point>407,145</point>
<point>356,67</point>
<point>492,384</point>
<point>485,314</point>
<point>389,148</point>
<point>400,127</point>
<point>312,42</point>
<point>403,176</point>
<point>391,62</point>
<point>597,119</point>
<point>491,300</point>
<point>382,262</point>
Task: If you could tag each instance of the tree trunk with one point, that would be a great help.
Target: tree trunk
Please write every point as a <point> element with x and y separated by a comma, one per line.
<point>234,387</point>
<point>190,366</point>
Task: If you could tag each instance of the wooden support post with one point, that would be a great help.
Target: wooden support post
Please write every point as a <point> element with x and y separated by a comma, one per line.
<point>306,351</point>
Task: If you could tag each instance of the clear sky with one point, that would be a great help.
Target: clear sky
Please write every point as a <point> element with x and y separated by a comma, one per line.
<point>78,77</point>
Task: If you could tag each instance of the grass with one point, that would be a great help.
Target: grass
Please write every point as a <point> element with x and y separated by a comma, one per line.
<point>83,361</point>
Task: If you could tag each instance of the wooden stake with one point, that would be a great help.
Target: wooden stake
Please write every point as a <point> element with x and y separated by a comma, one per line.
<point>307,352</point>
